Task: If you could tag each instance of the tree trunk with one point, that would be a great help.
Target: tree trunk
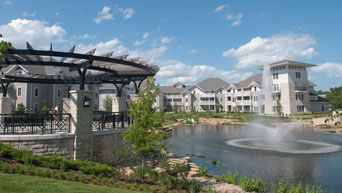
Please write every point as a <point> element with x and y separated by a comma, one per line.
<point>142,168</point>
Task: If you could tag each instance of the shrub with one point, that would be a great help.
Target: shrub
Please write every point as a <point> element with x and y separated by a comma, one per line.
<point>203,171</point>
<point>154,189</point>
<point>53,162</point>
<point>47,173</point>
<point>254,184</point>
<point>45,109</point>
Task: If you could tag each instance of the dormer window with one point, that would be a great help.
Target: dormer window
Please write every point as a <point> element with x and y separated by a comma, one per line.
<point>19,70</point>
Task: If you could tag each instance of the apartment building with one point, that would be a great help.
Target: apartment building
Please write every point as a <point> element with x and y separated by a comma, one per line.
<point>286,83</point>
<point>207,95</point>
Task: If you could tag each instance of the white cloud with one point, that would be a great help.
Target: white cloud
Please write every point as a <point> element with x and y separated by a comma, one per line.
<point>166,40</point>
<point>260,51</point>
<point>26,14</point>
<point>7,2</point>
<point>236,19</point>
<point>38,33</point>
<point>150,55</point>
<point>145,35</point>
<point>87,36</point>
<point>138,43</point>
<point>127,12</point>
<point>332,69</point>
<point>57,13</point>
<point>103,47</point>
<point>193,51</point>
<point>176,71</point>
<point>103,15</point>
<point>221,8</point>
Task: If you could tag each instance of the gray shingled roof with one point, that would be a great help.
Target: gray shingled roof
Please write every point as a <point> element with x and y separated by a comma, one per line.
<point>172,89</point>
<point>319,99</point>
<point>45,70</point>
<point>212,84</point>
<point>256,78</point>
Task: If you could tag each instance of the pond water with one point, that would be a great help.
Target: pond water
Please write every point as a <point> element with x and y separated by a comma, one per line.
<point>317,159</point>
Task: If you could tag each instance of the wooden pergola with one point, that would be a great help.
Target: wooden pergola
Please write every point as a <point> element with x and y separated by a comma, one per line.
<point>80,69</point>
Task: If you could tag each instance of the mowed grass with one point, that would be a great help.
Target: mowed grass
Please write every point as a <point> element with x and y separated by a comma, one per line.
<point>15,183</point>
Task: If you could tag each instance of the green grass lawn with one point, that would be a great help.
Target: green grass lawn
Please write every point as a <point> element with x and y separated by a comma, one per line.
<point>11,183</point>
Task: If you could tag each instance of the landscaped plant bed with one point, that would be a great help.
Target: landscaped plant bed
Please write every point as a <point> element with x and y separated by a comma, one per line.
<point>14,161</point>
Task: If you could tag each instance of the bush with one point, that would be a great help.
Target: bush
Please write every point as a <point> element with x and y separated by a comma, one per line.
<point>203,171</point>
<point>27,157</point>
<point>254,184</point>
<point>45,110</point>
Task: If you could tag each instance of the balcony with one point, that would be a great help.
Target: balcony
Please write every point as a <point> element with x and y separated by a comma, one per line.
<point>206,95</point>
<point>301,89</point>
<point>207,103</point>
<point>246,93</point>
<point>248,102</point>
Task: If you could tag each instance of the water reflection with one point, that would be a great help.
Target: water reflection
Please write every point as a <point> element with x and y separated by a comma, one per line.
<point>318,169</point>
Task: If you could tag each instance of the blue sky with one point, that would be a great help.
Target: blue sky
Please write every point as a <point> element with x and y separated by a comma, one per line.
<point>190,40</point>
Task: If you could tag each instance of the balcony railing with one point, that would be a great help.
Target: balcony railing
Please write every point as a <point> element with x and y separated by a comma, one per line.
<point>301,88</point>
<point>111,120</point>
<point>34,123</point>
<point>207,102</point>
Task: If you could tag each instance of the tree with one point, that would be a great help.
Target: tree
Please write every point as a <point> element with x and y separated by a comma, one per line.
<point>335,96</point>
<point>20,109</point>
<point>142,137</point>
<point>279,108</point>
<point>107,104</point>
<point>3,47</point>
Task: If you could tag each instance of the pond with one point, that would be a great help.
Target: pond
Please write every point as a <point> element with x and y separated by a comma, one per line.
<point>322,168</point>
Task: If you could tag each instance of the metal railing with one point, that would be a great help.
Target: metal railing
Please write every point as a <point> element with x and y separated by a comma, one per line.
<point>34,123</point>
<point>111,120</point>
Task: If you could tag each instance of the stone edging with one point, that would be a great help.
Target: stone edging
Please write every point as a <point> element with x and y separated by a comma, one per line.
<point>36,137</point>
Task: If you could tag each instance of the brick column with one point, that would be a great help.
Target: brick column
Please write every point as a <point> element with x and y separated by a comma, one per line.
<point>81,123</point>
<point>119,104</point>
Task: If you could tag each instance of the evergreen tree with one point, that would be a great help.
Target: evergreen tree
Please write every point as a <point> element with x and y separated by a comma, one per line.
<point>107,104</point>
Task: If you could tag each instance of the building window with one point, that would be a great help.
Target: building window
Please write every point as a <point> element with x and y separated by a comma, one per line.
<point>35,107</point>
<point>239,98</point>
<point>274,108</point>
<point>229,98</point>
<point>275,76</point>
<point>19,92</point>
<point>255,88</point>
<point>276,87</point>
<point>297,74</point>
<point>255,98</point>
<point>246,98</point>
<point>221,100</point>
<point>59,93</point>
<point>36,92</point>
<point>186,99</point>
<point>299,97</point>
<point>300,108</point>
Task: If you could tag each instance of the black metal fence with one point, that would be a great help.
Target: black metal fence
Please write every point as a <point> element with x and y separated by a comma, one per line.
<point>34,123</point>
<point>111,120</point>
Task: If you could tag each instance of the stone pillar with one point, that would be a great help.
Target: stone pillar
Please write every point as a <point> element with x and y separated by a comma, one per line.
<point>119,104</point>
<point>81,123</point>
<point>6,105</point>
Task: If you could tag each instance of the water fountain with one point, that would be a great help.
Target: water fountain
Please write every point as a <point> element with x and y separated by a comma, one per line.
<point>272,138</point>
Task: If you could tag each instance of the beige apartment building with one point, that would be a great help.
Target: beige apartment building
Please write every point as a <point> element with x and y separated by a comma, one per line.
<point>285,81</point>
